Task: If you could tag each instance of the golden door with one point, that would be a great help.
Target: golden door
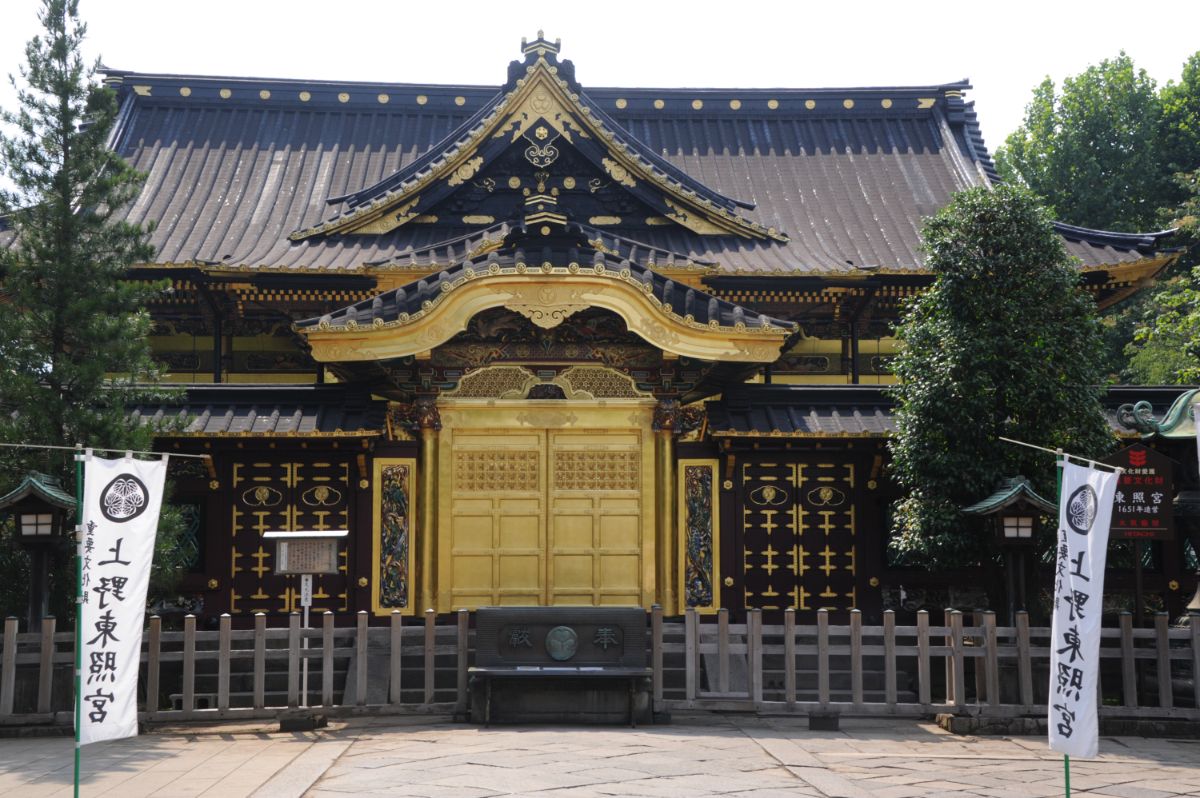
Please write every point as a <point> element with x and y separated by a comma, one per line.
<point>544,516</point>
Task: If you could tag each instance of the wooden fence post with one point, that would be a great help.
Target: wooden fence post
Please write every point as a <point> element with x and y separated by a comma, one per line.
<point>949,661</point>
<point>979,667</point>
<point>189,663</point>
<point>1162,648</point>
<point>293,698</point>
<point>327,659</point>
<point>260,660</point>
<point>823,657</point>
<point>394,663</point>
<point>991,658</point>
<point>959,681</point>
<point>856,663</point>
<point>8,667</point>
<point>223,663</point>
<point>754,660</point>
<point>1194,626</point>
<point>789,656</point>
<point>691,652</point>
<point>153,665</point>
<point>656,651</point>
<point>923,672</point>
<point>1129,696</point>
<point>1024,660</point>
<point>723,650</point>
<point>889,657</point>
<point>464,653</point>
<point>360,659</point>
<point>430,653</point>
<point>46,664</point>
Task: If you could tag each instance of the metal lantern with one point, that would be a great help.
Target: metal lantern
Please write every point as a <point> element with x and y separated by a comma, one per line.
<point>40,507</point>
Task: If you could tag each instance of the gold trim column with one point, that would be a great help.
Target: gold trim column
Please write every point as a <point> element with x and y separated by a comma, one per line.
<point>666,551</point>
<point>429,421</point>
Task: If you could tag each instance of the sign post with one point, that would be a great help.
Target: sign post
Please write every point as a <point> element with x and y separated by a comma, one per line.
<point>1142,506</point>
<point>306,553</point>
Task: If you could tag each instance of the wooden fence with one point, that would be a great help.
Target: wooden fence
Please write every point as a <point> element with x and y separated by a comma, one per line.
<point>420,666</point>
<point>977,669</point>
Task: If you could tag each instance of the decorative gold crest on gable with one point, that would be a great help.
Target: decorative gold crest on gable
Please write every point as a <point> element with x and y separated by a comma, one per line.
<point>547,306</point>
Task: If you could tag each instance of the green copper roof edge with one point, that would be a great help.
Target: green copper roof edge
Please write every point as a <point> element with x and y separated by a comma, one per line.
<point>44,487</point>
<point>1009,490</point>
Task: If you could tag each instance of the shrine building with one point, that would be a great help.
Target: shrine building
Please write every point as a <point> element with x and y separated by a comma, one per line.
<point>544,344</point>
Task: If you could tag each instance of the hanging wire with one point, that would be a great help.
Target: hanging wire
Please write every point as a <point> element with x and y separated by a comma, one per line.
<point>1061,453</point>
<point>101,449</point>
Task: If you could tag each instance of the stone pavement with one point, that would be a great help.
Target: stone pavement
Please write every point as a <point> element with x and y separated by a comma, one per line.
<point>697,755</point>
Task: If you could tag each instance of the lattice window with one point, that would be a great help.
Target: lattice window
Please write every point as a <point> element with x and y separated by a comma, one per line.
<point>496,382</point>
<point>599,383</point>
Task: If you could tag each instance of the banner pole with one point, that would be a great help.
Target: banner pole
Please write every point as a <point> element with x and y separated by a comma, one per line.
<point>1058,501</point>
<point>78,605</point>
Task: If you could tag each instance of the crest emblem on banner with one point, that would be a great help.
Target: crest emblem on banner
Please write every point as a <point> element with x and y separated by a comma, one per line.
<point>123,499</point>
<point>1081,510</point>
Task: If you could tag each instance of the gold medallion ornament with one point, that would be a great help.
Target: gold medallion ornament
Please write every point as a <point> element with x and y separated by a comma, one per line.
<point>466,171</point>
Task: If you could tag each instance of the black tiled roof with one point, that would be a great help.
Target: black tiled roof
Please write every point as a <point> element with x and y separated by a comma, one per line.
<point>802,411</point>
<point>867,410</point>
<point>235,165</point>
<point>238,410</point>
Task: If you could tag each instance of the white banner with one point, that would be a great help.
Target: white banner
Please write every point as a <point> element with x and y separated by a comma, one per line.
<point>1084,513</point>
<point>121,501</point>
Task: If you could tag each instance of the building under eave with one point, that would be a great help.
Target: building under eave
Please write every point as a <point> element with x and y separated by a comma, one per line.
<point>476,326</point>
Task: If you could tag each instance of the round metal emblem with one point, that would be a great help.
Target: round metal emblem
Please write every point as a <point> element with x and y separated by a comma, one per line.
<point>1081,510</point>
<point>561,643</point>
<point>123,499</point>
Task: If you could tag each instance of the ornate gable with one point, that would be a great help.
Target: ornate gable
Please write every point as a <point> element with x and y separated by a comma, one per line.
<point>540,137</point>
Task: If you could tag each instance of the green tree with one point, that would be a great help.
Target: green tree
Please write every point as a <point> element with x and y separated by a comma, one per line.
<point>1179,139</point>
<point>74,332</point>
<point>1090,150</point>
<point>1166,346</point>
<point>1005,343</point>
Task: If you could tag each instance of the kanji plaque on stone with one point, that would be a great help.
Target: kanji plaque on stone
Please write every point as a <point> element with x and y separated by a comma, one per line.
<point>1142,504</point>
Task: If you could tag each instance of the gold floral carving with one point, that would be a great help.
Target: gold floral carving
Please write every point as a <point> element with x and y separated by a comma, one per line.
<point>496,471</point>
<point>548,306</point>
<point>692,221</point>
<point>546,418</point>
<point>466,171</point>
<point>601,470</point>
<point>618,172</point>
<point>385,224</point>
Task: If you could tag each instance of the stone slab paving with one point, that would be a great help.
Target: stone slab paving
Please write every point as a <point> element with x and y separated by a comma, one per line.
<point>697,755</point>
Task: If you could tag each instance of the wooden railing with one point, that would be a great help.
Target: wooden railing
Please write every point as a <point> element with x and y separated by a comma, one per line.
<point>176,662</point>
<point>420,666</point>
<point>981,668</point>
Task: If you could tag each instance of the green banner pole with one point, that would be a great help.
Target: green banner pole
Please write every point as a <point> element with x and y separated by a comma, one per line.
<point>1058,497</point>
<point>78,603</point>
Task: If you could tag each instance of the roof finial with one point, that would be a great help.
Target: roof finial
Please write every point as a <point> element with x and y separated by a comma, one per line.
<point>541,45</point>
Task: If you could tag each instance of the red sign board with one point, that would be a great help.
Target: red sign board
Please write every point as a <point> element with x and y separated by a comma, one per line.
<point>1142,505</point>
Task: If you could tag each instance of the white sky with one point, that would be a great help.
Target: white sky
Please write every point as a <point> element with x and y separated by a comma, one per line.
<point>1005,48</point>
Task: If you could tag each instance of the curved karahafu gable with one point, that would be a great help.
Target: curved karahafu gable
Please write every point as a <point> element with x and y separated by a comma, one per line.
<point>547,286</point>
<point>540,110</point>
